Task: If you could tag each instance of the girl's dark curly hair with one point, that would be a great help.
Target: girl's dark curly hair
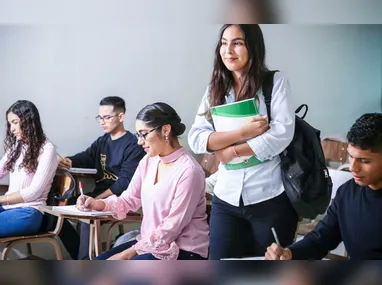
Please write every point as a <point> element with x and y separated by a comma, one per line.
<point>33,137</point>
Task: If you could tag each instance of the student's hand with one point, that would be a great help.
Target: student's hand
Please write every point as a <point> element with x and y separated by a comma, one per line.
<point>65,163</point>
<point>124,255</point>
<point>255,127</point>
<point>275,252</point>
<point>86,204</point>
<point>225,155</point>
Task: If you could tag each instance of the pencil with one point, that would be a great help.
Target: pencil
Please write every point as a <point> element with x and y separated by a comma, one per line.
<point>275,236</point>
<point>60,156</point>
<point>81,191</point>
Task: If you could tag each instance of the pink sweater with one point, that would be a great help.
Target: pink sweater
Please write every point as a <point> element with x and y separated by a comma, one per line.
<point>33,187</point>
<point>174,209</point>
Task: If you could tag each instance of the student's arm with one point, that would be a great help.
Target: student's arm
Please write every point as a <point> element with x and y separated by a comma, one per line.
<point>9,199</point>
<point>131,158</point>
<point>3,161</point>
<point>278,137</point>
<point>161,241</point>
<point>43,177</point>
<point>325,237</point>
<point>203,138</point>
<point>104,194</point>
<point>130,200</point>
<point>225,155</point>
<point>87,158</point>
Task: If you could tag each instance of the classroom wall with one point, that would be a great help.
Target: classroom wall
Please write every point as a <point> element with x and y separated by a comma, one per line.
<point>66,69</point>
<point>335,69</point>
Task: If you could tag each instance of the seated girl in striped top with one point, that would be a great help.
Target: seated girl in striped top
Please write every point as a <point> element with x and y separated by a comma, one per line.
<point>31,162</point>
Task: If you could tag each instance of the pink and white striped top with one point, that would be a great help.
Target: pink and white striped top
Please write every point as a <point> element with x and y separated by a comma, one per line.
<point>33,187</point>
<point>174,208</point>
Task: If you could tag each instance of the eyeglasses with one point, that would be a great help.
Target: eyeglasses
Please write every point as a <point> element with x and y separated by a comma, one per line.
<point>106,118</point>
<point>143,136</point>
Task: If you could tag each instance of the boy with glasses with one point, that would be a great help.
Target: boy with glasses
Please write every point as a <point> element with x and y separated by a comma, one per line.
<point>115,155</point>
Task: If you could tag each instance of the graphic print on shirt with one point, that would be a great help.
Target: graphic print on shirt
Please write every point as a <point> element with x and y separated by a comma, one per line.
<point>106,174</point>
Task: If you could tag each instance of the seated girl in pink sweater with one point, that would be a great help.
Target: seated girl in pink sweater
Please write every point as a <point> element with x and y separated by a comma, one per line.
<point>31,162</point>
<point>169,185</point>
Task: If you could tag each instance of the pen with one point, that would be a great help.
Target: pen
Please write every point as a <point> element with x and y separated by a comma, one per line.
<point>275,236</point>
<point>80,186</point>
<point>60,156</point>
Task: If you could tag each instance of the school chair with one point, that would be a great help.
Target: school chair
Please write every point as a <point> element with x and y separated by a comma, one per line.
<point>208,162</point>
<point>335,151</point>
<point>62,187</point>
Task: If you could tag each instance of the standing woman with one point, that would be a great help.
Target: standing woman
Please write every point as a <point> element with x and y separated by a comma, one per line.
<point>31,161</point>
<point>169,185</point>
<point>248,201</point>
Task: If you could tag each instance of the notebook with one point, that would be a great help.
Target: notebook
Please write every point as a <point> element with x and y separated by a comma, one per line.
<point>229,117</point>
<point>72,210</point>
<point>83,170</point>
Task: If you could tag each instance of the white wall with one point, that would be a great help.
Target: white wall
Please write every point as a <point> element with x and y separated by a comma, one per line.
<point>335,69</point>
<point>66,69</point>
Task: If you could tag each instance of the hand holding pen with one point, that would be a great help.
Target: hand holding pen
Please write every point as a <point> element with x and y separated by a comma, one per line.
<point>87,203</point>
<point>275,251</point>
<point>64,162</point>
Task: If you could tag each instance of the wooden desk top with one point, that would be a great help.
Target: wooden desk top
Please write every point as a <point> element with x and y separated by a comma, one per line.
<point>130,216</point>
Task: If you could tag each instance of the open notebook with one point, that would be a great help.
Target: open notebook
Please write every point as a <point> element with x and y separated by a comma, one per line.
<point>72,210</point>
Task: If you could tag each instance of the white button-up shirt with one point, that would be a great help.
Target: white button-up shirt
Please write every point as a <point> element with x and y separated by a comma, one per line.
<point>263,181</point>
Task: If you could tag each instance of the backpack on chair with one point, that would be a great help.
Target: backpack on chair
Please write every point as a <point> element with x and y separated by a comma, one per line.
<point>304,173</point>
<point>57,197</point>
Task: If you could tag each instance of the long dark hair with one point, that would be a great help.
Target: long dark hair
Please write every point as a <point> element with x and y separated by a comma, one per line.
<point>222,79</point>
<point>33,137</point>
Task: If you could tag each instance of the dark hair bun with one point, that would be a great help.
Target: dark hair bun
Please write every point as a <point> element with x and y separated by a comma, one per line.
<point>178,129</point>
<point>159,114</point>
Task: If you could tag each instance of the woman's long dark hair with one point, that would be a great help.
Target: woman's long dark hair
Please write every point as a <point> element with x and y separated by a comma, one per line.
<point>33,137</point>
<point>222,79</point>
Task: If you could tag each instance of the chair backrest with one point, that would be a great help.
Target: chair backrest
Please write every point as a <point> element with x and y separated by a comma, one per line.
<point>335,150</point>
<point>62,189</point>
<point>3,189</point>
<point>208,162</point>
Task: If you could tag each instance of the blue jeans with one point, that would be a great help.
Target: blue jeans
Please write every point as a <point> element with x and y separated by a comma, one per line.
<point>246,230</point>
<point>19,221</point>
<point>183,255</point>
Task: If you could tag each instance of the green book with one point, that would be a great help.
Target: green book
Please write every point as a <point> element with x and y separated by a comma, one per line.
<point>229,117</point>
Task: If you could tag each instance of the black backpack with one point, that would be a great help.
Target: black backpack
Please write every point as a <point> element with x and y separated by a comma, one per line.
<point>304,173</point>
<point>54,197</point>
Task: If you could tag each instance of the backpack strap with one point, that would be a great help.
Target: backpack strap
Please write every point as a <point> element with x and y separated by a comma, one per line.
<point>267,90</point>
<point>298,110</point>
